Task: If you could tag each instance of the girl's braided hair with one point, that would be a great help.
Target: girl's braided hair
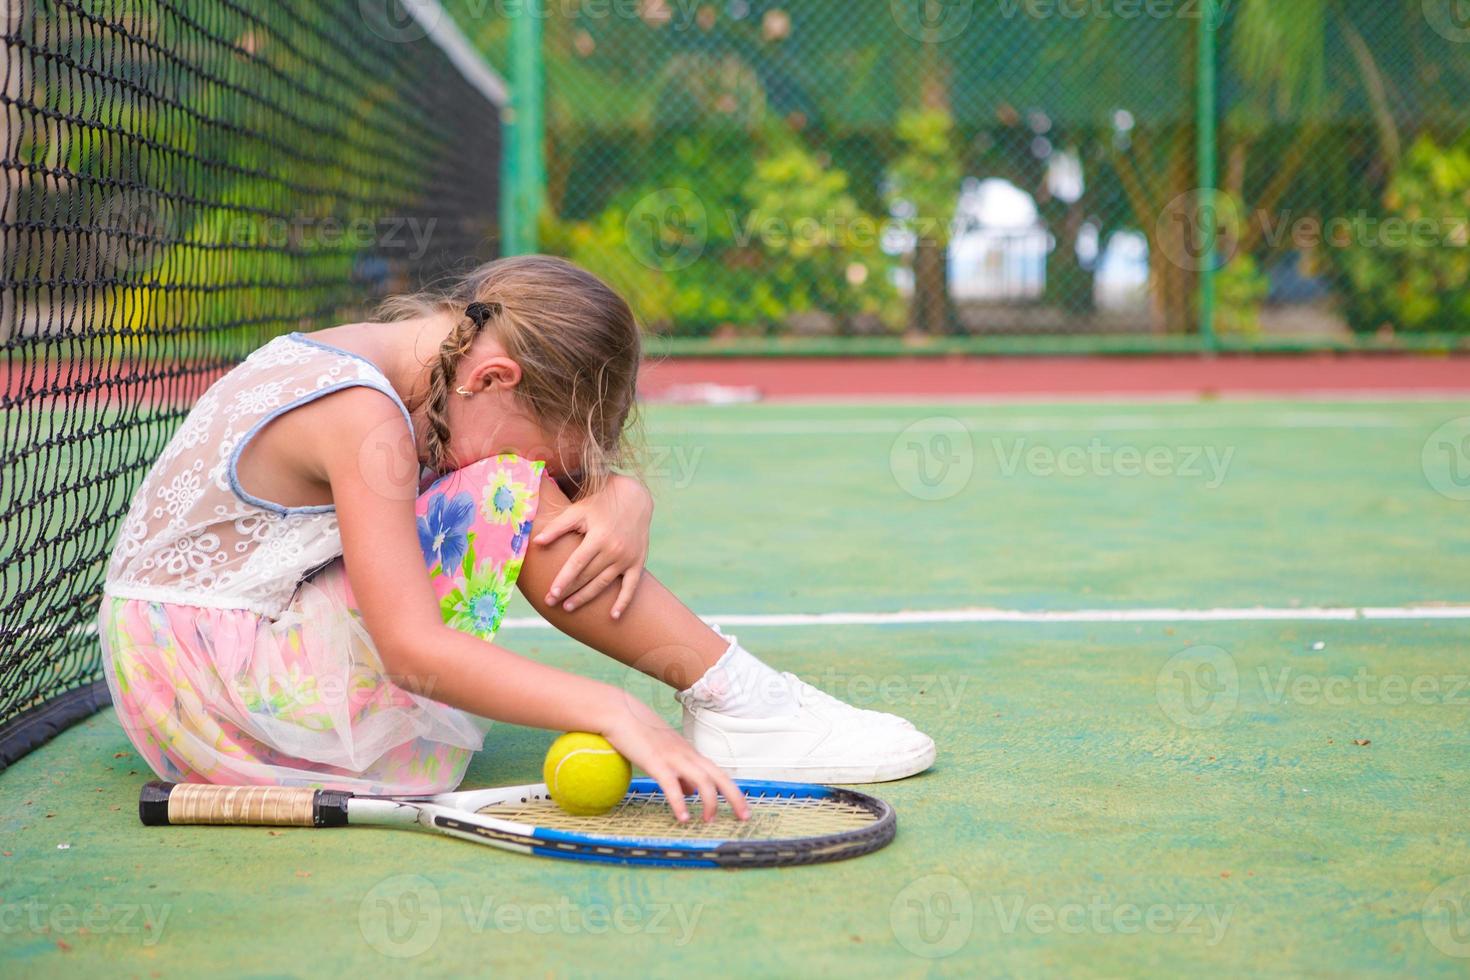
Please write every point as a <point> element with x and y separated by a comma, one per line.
<point>573,336</point>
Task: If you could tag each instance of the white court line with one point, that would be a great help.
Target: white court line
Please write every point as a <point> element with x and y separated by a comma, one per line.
<point>935,617</point>
<point>920,617</point>
<point>981,425</point>
<point>1184,396</point>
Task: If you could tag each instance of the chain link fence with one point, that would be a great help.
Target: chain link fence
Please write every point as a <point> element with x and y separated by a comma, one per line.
<point>1008,167</point>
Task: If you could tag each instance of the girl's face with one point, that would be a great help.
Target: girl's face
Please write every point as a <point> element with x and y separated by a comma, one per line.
<point>493,420</point>
<point>485,426</point>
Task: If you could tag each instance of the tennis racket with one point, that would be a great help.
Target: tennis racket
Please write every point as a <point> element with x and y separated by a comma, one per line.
<point>790,823</point>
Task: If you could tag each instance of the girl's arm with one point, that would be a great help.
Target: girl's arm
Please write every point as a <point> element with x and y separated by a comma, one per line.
<point>614,524</point>
<point>368,458</point>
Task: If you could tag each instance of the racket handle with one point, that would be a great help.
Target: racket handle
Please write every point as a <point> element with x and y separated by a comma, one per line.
<point>161,804</point>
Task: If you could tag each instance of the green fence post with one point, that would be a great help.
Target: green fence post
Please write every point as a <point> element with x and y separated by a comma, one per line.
<point>523,174</point>
<point>1208,204</point>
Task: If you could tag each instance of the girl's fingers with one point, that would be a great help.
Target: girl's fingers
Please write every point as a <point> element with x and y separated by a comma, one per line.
<point>625,592</point>
<point>567,520</point>
<point>733,796</point>
<point>707,793</point>
<point>567,577</point>
<point>592,589</point>
<point>673,792</point>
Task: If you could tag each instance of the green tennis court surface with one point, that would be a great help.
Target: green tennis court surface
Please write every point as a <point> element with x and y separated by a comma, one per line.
<point>1264,774</point>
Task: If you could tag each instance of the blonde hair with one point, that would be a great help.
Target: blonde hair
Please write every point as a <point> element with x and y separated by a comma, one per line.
<point>573,336</point>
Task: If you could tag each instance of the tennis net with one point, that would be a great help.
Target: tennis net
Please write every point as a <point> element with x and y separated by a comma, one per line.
<point>183,179</point>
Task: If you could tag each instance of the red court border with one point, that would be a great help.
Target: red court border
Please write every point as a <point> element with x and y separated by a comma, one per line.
<point>891,379</point>
<point>677,379</point>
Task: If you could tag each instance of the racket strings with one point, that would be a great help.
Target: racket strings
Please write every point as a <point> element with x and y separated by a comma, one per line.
<point>642,815</point>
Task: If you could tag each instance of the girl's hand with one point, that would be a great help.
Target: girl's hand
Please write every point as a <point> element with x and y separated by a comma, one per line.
<point>651,745</point>
<point>614,526</point>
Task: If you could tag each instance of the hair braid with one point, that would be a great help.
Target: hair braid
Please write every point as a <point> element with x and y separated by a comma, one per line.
<point>441,377</point>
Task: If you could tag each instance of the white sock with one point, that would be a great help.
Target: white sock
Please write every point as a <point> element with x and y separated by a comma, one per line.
<point>740,685</point>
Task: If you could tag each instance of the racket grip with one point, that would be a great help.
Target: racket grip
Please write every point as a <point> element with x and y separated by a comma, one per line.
<point>161,804</point>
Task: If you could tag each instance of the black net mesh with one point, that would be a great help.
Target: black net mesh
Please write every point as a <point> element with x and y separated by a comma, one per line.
<point>183,179</point>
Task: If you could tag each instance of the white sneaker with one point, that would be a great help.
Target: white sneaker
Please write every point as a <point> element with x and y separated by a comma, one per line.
<point>823,741</point>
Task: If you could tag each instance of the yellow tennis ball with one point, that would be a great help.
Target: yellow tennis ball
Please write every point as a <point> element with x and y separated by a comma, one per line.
<point>585,774</point>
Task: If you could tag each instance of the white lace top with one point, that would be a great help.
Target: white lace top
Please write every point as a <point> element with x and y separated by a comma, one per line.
<point>193,535</point>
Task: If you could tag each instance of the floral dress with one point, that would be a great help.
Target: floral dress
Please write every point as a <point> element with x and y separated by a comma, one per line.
<point>230,638</point>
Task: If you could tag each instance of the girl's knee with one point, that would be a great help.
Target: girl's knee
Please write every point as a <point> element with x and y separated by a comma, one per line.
<point>506,488</point>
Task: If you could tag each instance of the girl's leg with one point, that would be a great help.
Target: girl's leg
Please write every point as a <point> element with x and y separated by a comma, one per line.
<point>749,719</point>
<point>656,634</point>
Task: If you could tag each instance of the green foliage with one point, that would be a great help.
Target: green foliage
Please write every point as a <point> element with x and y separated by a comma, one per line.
<point>820,247</point>
<point>925,179</point>
<point>767,235</point>
<point>1240,289</point>
<point>1409,268</point>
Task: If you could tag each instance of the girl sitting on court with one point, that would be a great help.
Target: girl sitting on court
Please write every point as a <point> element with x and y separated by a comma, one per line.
<point>306,589</point>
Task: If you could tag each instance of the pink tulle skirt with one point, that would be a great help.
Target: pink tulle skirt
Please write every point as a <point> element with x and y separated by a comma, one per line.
<point>302,699</point>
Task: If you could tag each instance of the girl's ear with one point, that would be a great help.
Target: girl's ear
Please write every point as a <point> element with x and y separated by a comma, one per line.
<point>498,371</point>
